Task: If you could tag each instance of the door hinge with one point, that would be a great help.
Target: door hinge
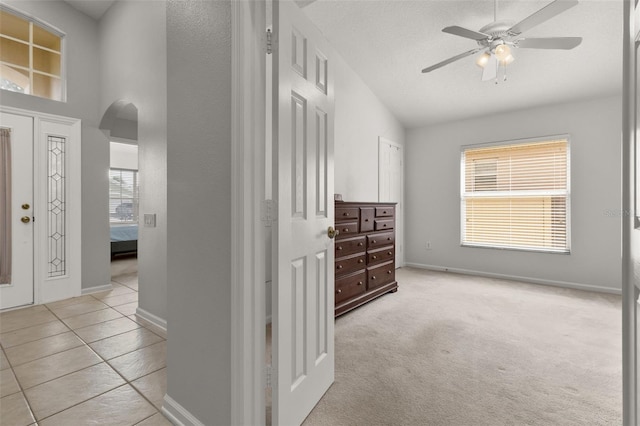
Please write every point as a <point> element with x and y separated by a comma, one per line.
<point>269,378</point>
<point>269,42</point>
<point>269,212</point>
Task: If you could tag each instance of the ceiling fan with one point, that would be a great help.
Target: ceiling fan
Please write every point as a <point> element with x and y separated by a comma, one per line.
<point>497,39</point>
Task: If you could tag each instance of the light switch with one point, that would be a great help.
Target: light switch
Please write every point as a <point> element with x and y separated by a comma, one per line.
<point>150,220</point>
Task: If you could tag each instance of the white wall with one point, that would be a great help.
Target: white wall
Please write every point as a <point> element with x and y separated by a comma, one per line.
<point>123,156</point>
<point>199,208</point>
<point>134,68</point>
<point>83,89</point>
<point>433,194</point>
<point>360,119</point>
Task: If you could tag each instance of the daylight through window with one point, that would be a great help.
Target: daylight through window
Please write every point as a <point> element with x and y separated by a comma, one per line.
<point>30,57</point>
<point>123,196</point>
<point>516,195</point>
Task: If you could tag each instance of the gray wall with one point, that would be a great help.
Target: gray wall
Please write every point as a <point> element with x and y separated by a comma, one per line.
<point>433,194</point>
<point>134,68</point>
<point>83,92</point>
<point>360,119</point>
<point>199,208</point>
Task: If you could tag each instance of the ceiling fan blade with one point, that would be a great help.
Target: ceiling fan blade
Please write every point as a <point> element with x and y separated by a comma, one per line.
<point>565,43</point>
<point>490,70</point>
<point>542,15</point>
<point>453,59</point>
<point>463,32</point>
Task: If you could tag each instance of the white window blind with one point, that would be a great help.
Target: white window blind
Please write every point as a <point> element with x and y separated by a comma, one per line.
<point>516,195</point>
<point>123,196</point>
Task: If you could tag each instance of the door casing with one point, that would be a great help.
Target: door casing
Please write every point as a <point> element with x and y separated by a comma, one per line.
<point>49,289</point>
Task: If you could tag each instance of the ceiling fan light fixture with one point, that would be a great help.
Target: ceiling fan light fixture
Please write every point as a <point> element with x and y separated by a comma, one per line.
<point>483,60</point>
<point>506,61</point>
<point>502,51</point>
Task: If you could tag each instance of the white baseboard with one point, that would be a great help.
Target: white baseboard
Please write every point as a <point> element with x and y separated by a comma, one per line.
<point>177,414</point>
<point>552,283</point>
<point>153,319</point>
<point>96,289</point>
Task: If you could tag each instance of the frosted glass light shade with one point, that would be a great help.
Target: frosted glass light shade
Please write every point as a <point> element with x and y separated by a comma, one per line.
<point>483,60</point>
<point>502,52</point>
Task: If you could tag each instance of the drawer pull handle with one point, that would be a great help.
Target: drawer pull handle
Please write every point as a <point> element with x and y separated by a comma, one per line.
<point>346,229</point>
<point>339,248</point>
<point>339,291</point>
<point>384,212</point>
<point>359,282</point>
<point>360,260</point>
<point>374,257</point>
<point>373,277</point>
<point>389,239</point>
<point>366,220</point>
<point>389,272</point>
<point>390,253</point>
<point>384,226</point>
<point>339,266</point>
<point>360,244</point>
<point>373,242</point>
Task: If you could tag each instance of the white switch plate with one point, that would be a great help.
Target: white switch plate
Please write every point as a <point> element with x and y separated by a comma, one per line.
<point>150,220</point>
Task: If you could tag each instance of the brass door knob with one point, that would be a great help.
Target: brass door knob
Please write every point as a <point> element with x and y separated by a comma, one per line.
<point>25,206</point>
<point>25,219</point>
<point>331,232</point>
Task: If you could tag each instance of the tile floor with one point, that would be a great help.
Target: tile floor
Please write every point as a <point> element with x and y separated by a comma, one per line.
<point>85,360</point>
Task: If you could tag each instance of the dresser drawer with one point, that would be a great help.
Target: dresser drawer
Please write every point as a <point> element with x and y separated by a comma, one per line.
<point>350,286</point>
<point>381,224</point>
<point>380,240</point>
<point>380,275</point>
<point>350,246</point>
<point>384,211</point>
<point>346,213</point>
<point>344,265</point>
<point>347,228</point>
<point>366,219</point>
<point>379,256</point>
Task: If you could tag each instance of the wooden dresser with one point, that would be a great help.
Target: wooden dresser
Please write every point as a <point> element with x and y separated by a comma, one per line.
<point>365,253</point>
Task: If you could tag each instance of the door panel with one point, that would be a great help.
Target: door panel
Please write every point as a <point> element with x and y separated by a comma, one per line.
<point>390,187</point>
<point>303,323</point>
<point>20,289</point>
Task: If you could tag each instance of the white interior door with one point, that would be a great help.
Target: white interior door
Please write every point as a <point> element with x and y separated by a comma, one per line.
<point>390,187</point>
<point>303,273</point>
<point>19,290</point>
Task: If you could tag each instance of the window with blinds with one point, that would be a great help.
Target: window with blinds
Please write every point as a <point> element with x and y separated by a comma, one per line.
<point>516,195</point>
<point>123,196</point>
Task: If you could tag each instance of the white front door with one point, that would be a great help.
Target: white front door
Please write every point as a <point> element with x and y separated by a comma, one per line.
<point>303,319</point>
<point>18,290</point>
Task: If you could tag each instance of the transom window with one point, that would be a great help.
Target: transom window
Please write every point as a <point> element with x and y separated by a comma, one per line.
<point>30,56</point>
<point>516,195</point>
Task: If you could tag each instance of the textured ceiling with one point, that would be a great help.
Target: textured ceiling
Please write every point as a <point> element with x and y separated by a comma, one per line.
<point>388,43</point>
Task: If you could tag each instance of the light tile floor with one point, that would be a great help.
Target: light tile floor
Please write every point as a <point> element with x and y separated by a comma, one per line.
<point>85,360</point>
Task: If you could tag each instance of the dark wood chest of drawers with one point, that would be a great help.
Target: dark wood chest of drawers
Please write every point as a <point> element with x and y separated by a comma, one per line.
<point>365,253</point>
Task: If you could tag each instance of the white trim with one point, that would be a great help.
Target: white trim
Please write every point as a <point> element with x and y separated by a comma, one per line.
<point>70,285</point>
<point>152,319</point>
<point>96,289</point>
<point>177,414</point>
<point>552,283</point>
<point>248,330</point>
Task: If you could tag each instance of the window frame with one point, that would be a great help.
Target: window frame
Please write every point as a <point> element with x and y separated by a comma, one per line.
<point>63,51</point>
<point>136,174</point>
<point>515,142</point>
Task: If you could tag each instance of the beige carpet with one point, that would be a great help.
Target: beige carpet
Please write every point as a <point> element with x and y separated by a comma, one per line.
<point>450,349</point>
